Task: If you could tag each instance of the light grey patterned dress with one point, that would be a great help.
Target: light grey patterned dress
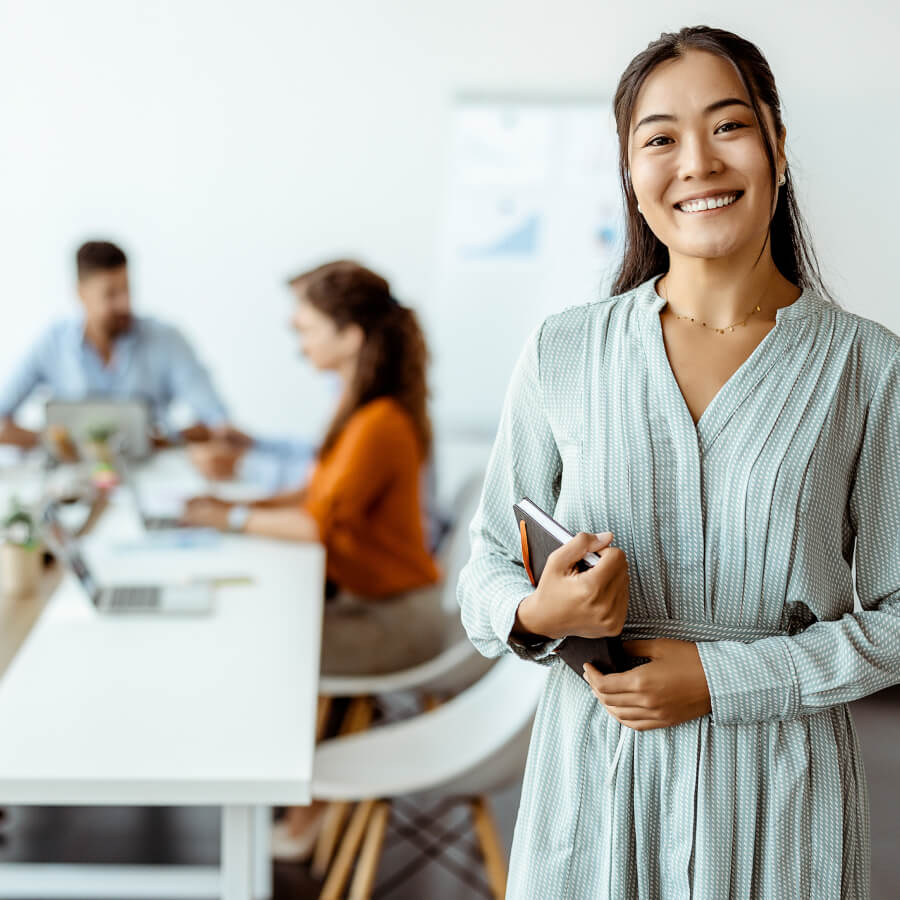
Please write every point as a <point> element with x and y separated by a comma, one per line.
<point>739,534</point>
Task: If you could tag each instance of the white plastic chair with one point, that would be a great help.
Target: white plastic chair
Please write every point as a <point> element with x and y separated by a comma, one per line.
<point>453,669</point>
<point>472,744</point>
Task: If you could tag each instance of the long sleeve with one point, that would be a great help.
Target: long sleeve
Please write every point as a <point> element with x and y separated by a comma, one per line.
<point>28,375</point>
<point>190,382</point>
<point>524,462</point>
<point>833,662</point>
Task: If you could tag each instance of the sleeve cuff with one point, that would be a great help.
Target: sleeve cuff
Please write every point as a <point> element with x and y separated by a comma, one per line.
<point>753,682</point>
<point>503,618</point>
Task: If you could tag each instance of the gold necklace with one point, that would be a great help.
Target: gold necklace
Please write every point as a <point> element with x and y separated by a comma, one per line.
<point>722,330</point>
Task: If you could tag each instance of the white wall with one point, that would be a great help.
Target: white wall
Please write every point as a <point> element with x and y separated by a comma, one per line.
<point>227,145</point>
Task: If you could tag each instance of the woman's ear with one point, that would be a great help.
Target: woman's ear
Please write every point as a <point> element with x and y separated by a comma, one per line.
<point>780,156</point>
<point>352,338</point>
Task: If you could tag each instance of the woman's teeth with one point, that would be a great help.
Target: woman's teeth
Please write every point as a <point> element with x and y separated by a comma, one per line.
<point>707,203</point>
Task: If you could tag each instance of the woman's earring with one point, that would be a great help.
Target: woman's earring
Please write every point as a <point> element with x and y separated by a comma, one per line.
<point>781,179</point>
<point>639,209</point>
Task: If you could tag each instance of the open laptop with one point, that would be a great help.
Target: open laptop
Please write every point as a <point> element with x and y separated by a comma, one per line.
<point>150,521</point>
<point>129,417</point>
<point>190,599</point>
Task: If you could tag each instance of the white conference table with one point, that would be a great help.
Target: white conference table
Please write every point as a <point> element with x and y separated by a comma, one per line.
<point>166,710</point>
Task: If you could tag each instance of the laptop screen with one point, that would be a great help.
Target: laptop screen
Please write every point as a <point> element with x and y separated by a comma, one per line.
<point>67,547</point>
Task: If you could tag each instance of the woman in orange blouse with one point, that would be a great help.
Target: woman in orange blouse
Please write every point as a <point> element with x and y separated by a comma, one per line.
<point>363,500</point>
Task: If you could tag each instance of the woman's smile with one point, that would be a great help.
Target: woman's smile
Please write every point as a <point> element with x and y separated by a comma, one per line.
<point>708,204</point>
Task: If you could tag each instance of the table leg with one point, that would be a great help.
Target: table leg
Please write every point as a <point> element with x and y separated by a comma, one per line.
<point>262,867</point>
<point>237,853</point>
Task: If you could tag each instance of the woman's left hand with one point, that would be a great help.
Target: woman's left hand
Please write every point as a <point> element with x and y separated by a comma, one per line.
<point>668,690</point>
<point>207,512</point>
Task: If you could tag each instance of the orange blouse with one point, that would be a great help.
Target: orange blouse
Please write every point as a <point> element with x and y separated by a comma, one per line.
<point>365,497</point>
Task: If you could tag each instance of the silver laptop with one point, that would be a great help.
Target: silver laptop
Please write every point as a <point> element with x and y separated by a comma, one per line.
<point>149,521</point>
<point>191,599</point>
<point>128,416</point>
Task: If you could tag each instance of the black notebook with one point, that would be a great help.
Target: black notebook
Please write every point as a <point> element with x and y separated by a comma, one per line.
<point>541,534</point>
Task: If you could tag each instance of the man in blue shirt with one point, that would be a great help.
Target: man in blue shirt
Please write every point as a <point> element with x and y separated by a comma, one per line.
<point>110,352</point>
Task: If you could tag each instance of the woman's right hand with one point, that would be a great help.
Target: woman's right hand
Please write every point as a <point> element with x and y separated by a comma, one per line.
<point>590,604</point>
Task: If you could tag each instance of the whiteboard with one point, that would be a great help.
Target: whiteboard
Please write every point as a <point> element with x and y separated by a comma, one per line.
<point>532,225</point>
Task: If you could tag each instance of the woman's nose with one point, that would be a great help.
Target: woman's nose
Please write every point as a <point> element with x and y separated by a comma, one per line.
<point>698,159</point>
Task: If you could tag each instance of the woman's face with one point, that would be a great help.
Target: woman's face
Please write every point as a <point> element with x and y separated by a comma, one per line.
<point>694,138</point>
<point>326,346</point>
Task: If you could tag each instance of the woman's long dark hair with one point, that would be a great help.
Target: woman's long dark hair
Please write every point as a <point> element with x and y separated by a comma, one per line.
<point>645,255</point>
<point>393,356</point>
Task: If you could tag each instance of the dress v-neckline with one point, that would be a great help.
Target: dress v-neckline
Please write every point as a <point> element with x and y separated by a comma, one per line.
<point>741,382</point>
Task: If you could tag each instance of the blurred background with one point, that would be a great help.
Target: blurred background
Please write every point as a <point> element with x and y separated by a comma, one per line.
<point>228,146</point>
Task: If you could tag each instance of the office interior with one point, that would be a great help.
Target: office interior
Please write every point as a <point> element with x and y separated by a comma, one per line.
<point>464,151</point>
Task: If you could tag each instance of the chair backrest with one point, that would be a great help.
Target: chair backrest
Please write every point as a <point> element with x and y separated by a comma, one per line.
<point>437,749</point>
<point>457,664</point>
<point>453,553</point>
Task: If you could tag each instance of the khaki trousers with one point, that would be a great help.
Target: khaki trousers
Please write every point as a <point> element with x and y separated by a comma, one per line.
<point>362,636</point>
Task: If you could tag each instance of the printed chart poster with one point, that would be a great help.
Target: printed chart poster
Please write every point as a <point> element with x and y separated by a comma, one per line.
<point>533,224</point>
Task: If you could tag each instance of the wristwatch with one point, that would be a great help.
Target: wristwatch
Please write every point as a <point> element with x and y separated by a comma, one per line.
<point>237,517</point>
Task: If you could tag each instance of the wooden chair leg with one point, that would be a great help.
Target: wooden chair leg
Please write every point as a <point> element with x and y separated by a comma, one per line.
<point>369,856</point>
<point>339,873</point>
<point>491,846</point>
<point>323,710</point>
<point>357,718</point>
<point>332,827</point>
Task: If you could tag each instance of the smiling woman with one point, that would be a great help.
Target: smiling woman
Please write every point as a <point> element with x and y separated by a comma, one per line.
<point>739,101</point>
<point>705,174</point>
<point>737,432</point>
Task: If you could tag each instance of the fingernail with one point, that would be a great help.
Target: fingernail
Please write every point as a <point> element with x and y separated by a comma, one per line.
<point>604,535</point>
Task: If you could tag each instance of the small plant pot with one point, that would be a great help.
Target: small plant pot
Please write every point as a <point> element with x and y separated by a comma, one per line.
<point>99,452</point>
<point>20,569</point>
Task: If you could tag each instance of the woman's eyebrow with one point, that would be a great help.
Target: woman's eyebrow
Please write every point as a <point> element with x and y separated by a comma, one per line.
<point>713,107</point>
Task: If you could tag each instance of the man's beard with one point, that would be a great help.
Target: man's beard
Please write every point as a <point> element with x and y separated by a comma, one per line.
<point>118,325</point>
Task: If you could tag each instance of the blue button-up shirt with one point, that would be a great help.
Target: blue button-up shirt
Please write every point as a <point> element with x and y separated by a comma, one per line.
<point>152,361</point>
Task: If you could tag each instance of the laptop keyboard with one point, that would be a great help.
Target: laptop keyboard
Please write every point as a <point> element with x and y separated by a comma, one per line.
<point>161,523</point>
<point>135,598</point>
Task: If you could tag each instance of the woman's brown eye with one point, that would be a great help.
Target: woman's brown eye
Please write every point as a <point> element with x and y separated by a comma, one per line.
<point>731,126</point>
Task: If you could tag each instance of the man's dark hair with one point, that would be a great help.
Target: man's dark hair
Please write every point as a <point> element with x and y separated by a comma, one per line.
<point>98,256</point>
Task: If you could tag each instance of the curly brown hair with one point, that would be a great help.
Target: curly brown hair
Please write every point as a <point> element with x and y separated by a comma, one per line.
<point>393,357</point>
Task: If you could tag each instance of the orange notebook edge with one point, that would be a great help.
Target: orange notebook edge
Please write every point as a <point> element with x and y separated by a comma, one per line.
<point>525,555</point>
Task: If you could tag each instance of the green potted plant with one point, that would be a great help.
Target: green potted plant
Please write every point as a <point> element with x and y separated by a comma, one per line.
<point>98,442</point>
<point>20,552</point>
